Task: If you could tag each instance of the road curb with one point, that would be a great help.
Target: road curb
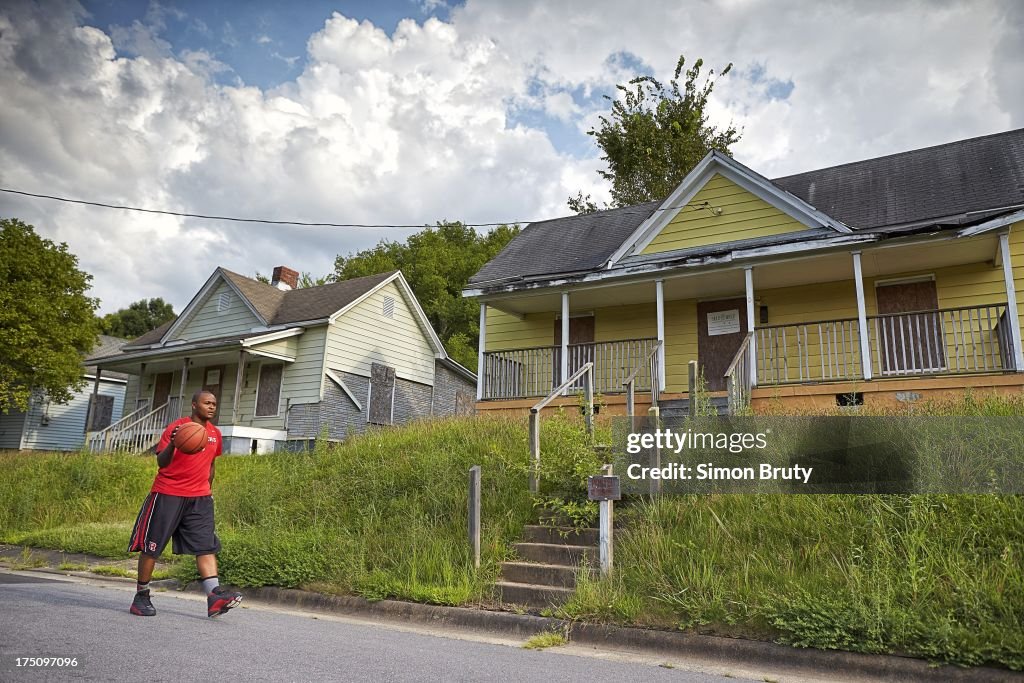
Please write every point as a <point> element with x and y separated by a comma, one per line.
<point>649,641</point>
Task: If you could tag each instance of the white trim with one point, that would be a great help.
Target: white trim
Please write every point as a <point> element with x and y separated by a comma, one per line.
<point>273,336</point>
<point>751,181</point>
<point>259,379</point>
<point>410,300</point>
<point>115,380</point>
<point>930,277</point>
<point>344,387</point>
<point>991,225</point>
<point>1011,301</point>
<point>580,314</point>
<point>200,298</point>
<point>862,317</point>
<point>272,355</point>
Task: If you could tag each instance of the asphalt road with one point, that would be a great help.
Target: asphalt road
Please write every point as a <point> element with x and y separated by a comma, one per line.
<point>40,616</point>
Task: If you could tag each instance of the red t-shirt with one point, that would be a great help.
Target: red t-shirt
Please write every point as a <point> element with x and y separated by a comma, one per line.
<point>187,475</point>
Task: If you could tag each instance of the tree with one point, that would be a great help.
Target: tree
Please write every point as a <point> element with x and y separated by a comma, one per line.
<point>139,318</point>
<point>47,323</point>
<point>654,137</point>
<point>438,263</point>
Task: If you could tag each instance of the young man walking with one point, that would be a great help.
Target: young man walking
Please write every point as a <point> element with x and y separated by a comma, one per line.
<point>180,506</point>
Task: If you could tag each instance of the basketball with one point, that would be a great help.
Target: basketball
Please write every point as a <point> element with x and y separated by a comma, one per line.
<point>191,438</point>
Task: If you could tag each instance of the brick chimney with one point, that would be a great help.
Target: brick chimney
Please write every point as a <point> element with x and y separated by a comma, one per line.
<point>285,278</point>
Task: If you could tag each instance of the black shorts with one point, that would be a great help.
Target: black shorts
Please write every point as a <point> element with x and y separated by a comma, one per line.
<point>189,521</point>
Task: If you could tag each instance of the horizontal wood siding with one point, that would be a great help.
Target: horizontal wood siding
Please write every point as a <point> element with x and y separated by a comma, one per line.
<point>506,331</point>
<point>680,343</point>
<point>363,336</point>
<point>209,322</point>
<point>66,428</point>
<point>637,321</point>
<point>744,216</point>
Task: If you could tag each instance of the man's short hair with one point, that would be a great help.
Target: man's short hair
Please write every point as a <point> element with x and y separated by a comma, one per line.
<point>195,396</point>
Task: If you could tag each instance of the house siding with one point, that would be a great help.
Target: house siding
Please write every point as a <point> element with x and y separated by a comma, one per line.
<point>208,322</point>
<point>447,386</point>
<point>506,331</point>
<point>282,347</point>
<point>744,216</point>
<point>66,428</point>
<point>363,336</point>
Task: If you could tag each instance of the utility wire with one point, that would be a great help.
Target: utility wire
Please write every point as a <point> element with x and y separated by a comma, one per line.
<point>309,224</point>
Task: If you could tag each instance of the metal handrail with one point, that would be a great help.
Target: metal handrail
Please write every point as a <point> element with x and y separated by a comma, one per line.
<point>587,372</point>
<point>653,357</point>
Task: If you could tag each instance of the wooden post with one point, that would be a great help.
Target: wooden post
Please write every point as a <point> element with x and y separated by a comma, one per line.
<point>749,273</point>
<point>565,341</point>
<point>1011,303</point>
<point>692,370</point>
<point>534,452</point>
<point>659,292</point>
<point>607,513</point>
<point>239,376</point>
<point>862,318</point>
<point>480,353</point>
<point>138,389</point>
<point>474,513</point>
<point>181,389</point>
<point>91,413</point>
<point>630,400</point>
<point>654,419</point>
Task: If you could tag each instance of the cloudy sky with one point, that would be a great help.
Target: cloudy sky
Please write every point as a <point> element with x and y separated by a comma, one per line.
<point>411,112</point>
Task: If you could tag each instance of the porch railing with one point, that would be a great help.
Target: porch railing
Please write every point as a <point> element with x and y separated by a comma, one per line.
<point>139,434</point>
<point>818,351</point>
<point>535,371</point>
<point>652,366</point>
<point>968,339</point>
<point>737,378</point>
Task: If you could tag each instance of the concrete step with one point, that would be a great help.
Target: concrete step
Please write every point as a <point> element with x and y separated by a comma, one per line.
<point>681,407</point>
<point>565,535</point>
<point>558,553</point>
<point>562,576</point>
<point>530,595</point>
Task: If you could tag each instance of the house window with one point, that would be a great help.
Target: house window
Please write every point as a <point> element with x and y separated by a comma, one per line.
<point>268,390</point>
<point>389,307</point>
<point>223,302</point>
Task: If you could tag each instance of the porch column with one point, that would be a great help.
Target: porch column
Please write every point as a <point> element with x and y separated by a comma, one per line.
<point>565,337</point>
<point>1011,301</point>
<point>239,376</point>
<point>659,291</point>
<point>481,346</point>
<point>138,390</point>
<point>181,389</point>
<point>862,318</point>
<point>92,401</point>
<point>749,273</point>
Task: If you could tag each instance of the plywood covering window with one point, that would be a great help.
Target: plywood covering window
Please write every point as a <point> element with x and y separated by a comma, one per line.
<point>268,391</point>
<point>382,395</point>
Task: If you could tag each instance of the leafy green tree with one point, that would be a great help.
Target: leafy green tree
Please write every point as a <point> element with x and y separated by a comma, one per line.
<point>47,323</point>
<point>438,263</point>
<point>654,136</point>
<point>139,318</point>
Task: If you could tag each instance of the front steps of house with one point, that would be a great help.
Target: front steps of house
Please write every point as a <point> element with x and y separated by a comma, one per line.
<point>681,407</point>
<point>545,574</point>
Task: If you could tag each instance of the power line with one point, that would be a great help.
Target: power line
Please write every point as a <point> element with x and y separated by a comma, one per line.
<point>235,219</point>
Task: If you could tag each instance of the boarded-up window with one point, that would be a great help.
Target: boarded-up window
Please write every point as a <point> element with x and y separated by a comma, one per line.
<point>382,394</point>
<point>268,396</point>
<point>465,402</point>
<point>102,412</point>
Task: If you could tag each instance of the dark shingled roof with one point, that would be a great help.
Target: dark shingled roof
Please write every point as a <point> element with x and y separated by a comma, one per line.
<point>574,243</point>
<point>936,182</point>
<point>106,346</point>
<point>285,307</point>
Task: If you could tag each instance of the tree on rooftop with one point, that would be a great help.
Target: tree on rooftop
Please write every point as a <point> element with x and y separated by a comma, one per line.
<point>655,135</point>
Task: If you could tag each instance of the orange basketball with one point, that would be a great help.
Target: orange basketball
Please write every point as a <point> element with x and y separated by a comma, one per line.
<point>191,438</point>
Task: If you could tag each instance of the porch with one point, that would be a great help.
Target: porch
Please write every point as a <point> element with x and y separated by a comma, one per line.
<point>939,311</point>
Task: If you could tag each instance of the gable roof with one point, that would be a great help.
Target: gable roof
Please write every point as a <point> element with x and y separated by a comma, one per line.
<point>570,244</point>
<point>920,185</point>
<point>275,306</point>
<point>106,346</point>
<point>982,175</point>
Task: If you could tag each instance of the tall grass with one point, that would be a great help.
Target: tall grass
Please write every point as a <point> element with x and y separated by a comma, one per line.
<point>384,515</point>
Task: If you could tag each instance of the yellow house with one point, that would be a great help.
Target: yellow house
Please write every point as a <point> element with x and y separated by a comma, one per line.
<point>886,280</point>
